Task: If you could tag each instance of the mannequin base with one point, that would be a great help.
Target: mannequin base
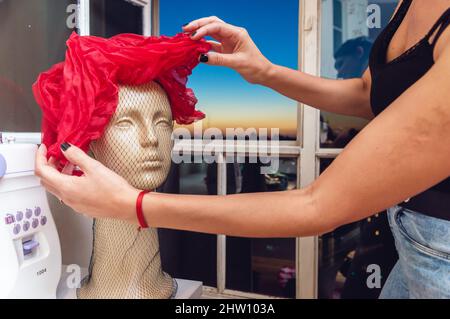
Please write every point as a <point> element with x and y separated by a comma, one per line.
<point>187,289</point>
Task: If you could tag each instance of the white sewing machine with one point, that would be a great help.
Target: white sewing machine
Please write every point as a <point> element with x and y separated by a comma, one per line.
<point>30,253</point>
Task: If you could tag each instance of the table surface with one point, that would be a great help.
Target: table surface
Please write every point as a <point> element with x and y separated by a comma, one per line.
<point>187,289</point>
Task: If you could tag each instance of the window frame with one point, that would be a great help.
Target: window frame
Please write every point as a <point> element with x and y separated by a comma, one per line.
<point>305,150</point>
<point>147,18</point>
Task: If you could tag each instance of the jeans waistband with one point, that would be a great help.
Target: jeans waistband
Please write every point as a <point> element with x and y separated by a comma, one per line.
<point>431,203</point>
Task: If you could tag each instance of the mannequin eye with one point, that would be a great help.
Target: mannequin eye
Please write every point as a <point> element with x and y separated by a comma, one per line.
<point>124,123</point>
<point>164,123</point>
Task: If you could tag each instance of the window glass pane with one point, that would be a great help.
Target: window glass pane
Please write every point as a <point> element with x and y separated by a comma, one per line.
<point>349,28</point>
<point>33,37</point>
<point>189,255</point>
<point>263,266</point>
<point>346,253</point>
<point>111,17</point>
<point>224,96</point>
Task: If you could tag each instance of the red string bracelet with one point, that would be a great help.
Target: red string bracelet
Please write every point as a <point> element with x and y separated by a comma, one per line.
<point>139,211</point>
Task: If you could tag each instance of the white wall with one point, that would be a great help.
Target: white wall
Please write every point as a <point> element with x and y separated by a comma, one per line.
<point>75,233</point>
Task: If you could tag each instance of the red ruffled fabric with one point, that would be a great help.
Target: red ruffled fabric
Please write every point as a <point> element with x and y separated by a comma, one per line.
<point>79,96</point>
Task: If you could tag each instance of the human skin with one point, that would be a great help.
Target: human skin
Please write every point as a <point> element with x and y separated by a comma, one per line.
<point>401,153</point>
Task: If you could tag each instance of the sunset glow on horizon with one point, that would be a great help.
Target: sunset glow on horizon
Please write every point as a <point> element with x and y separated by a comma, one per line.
<point>224,96</point>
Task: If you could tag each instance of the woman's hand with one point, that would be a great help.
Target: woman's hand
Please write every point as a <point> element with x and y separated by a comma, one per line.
<point>98,193</point>
<point>235,48</point>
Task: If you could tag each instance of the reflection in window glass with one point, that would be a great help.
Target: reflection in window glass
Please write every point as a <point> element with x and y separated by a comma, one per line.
<point>346,44</point>
<point>224,96</point>
<point>262,266</point>
<point>189,255</point>
<point>33,35</point>
<point>112,17</point>
<point>346,253</point>
<point>337,23</point>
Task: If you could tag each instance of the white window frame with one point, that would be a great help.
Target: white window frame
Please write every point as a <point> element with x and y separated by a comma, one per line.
<point>84,16</point>
<point>306,150</point>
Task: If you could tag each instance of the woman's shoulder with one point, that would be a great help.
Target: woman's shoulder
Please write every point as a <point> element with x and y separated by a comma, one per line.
<point>442,46</point>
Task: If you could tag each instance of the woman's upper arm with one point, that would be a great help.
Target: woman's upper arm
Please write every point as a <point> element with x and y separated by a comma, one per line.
<point>401,153</point>
<point>366,109</point>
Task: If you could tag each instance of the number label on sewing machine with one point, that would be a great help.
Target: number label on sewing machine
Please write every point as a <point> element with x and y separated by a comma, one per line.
<point>41,272</point>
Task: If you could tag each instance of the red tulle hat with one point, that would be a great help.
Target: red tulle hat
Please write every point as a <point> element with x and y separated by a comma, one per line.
<point>79,96</point>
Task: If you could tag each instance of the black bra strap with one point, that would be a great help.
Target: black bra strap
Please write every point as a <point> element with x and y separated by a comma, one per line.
<point>401,12</point>
<point>396,21</point>
<point>440,26</point>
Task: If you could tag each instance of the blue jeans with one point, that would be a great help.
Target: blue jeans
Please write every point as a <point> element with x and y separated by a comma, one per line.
<point>423,245</point>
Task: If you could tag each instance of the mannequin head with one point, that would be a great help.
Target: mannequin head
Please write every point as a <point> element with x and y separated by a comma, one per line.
<point>137,145</point>
<point>137,142</point>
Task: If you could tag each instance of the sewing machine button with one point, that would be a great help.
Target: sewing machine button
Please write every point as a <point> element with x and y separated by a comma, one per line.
<point>26,225</point>
<point>35,223</point>
<point>9,219</point>
<point>43,220</point>
<point>37,211</point>
<point>16,229</point>
<point>19,216</point>
<point>28,213</point>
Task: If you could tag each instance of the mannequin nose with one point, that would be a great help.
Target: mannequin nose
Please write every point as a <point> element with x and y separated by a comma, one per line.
<point>148,137</point>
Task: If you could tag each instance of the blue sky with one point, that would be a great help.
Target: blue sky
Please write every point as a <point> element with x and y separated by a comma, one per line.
<point>223,95</point>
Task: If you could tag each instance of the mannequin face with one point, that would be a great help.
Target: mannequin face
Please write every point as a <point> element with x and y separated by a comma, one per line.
<point>137,142</point>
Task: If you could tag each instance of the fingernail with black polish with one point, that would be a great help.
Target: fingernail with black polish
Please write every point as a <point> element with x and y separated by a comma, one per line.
<point>194,33</point>
<point>186,24</point>
<point>204,58</point>
<point>65,146</point>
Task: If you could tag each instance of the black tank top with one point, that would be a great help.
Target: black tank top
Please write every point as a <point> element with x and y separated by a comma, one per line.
<point>392,79</point>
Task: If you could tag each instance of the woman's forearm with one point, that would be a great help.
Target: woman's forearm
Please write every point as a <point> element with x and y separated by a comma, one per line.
<point>278,214</point>
<point>237,51</point>
<point>388,162</point>
<point>347,97</point>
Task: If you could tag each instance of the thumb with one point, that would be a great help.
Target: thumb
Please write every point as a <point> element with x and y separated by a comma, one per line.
<point>219,59</point>
<point>77,157</point>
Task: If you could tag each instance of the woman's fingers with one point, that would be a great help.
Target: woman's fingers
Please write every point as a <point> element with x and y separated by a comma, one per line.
<point>216,46</point>
<point>79,158</point>
<point>220,59</point>
<point>41,155</point>
<point>194,25</point>
<point>87,193</point>
<point>216,30</point>
<point>52,162</point>
<point>46,172</point>
<point>68,169</point>
<point>235,48</point>
<point>51,189</point>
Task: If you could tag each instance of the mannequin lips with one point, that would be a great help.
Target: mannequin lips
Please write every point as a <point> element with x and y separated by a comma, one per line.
<point>152,161</point>
<point>151,164</point>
